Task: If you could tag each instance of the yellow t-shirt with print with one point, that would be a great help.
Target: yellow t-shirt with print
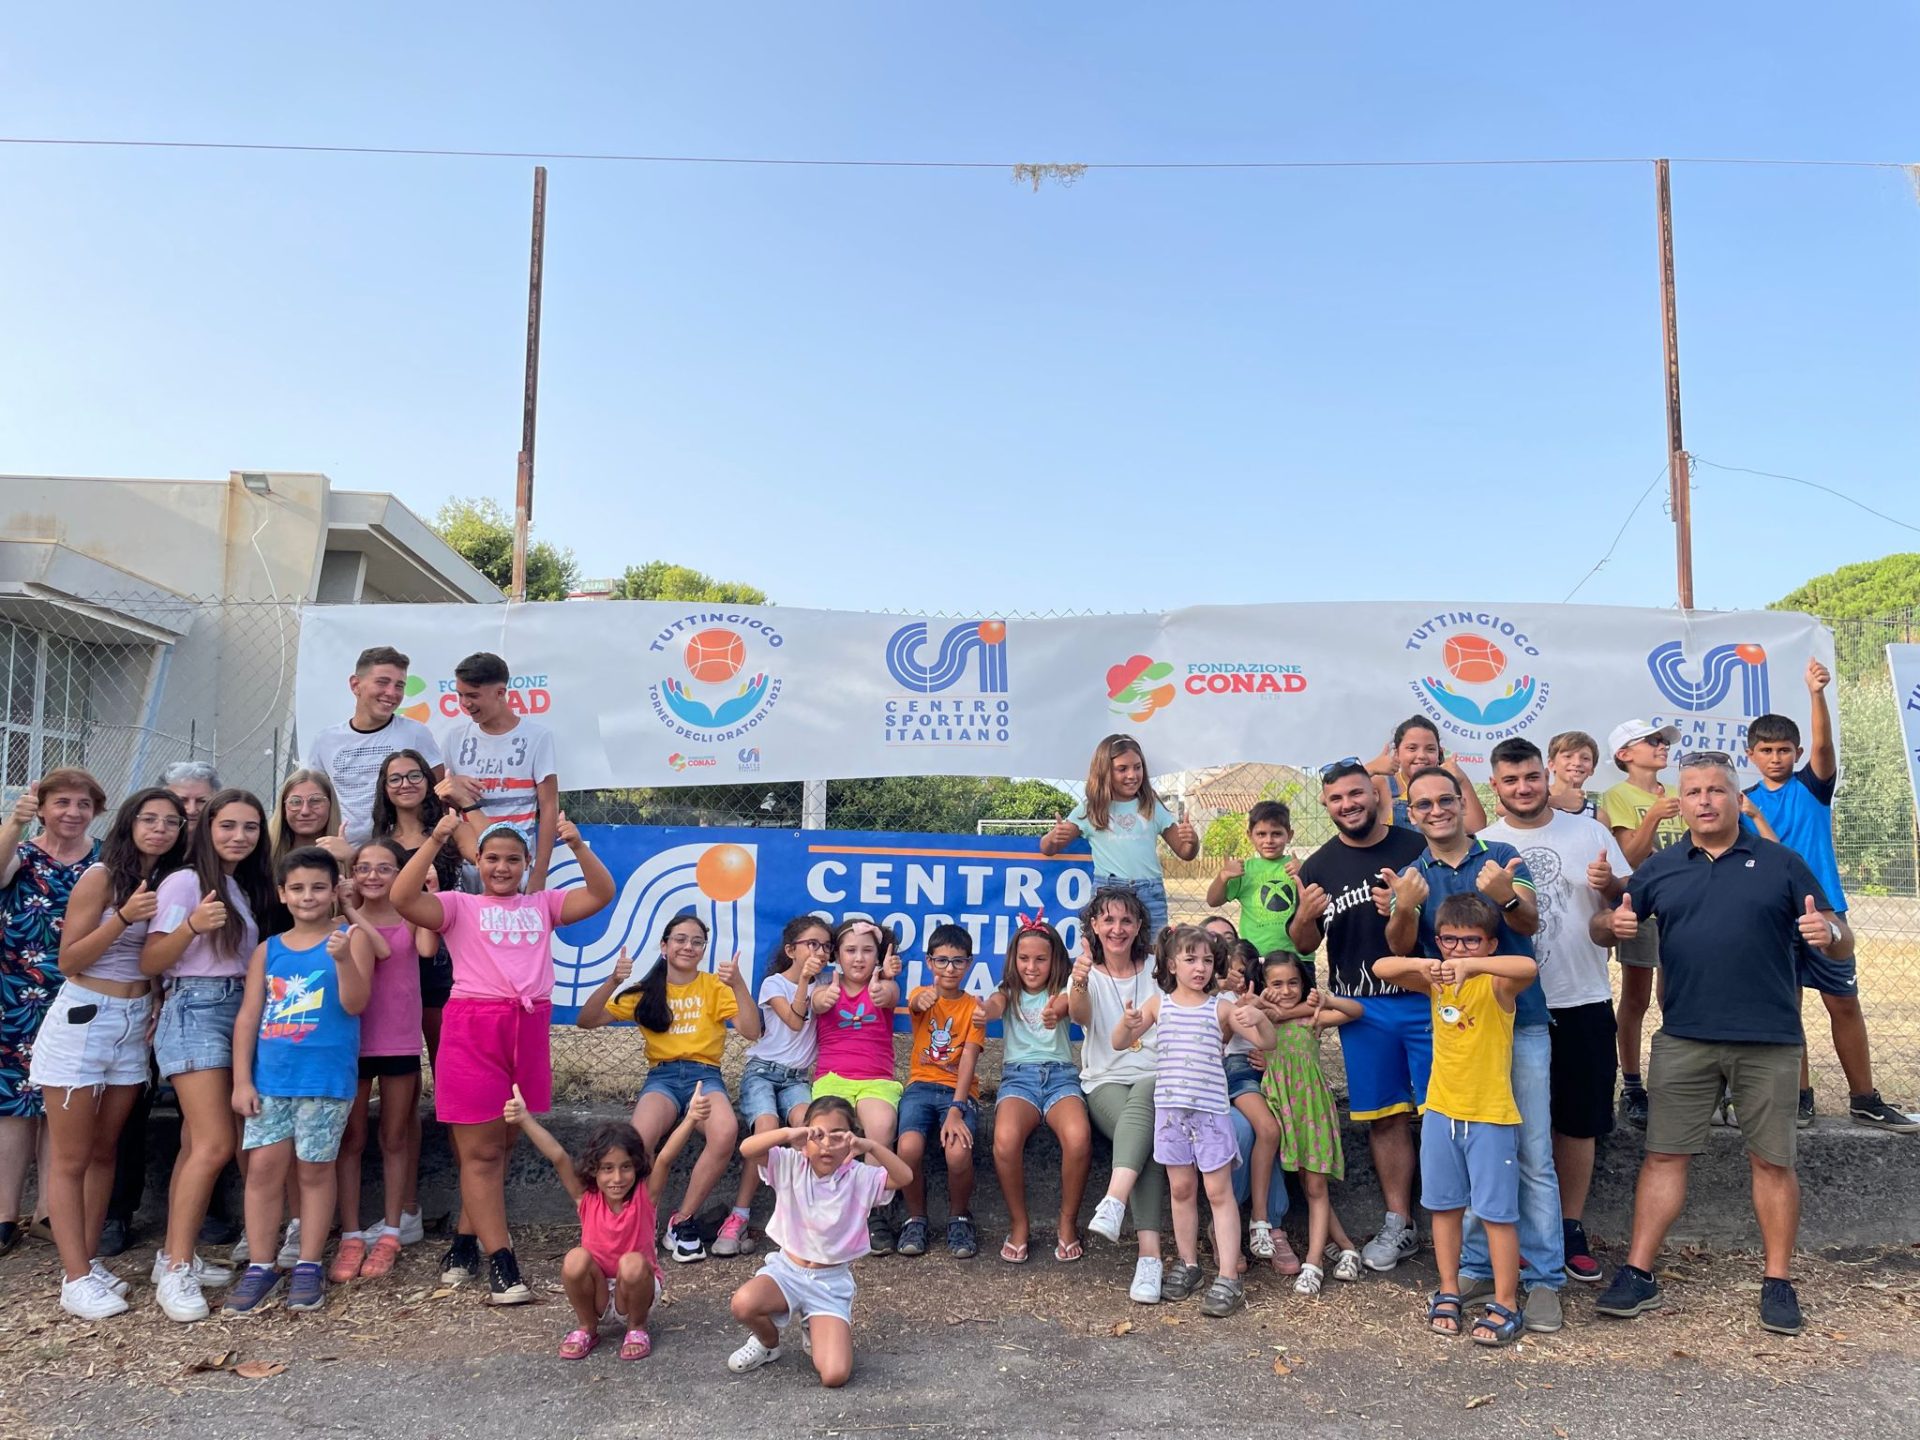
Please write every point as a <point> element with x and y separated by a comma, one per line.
<point>701,1009</point>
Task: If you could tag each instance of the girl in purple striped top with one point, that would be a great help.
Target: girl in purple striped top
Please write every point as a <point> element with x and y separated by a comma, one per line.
<point>1192,1135</point>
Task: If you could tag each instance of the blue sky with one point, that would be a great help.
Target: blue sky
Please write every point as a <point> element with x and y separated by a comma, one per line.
<point>894,389</point>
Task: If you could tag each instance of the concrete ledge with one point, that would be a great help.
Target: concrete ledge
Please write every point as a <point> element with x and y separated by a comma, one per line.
<point>1858,1186</point>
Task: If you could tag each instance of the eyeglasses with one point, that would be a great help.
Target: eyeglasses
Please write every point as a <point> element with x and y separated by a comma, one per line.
<point>163,822</point>
<point>373,872</point>
<point>1461,942</point>
<point>1439,802</point>
<point>406,777</point>
<point>315,802</point>
<point>812,945</point>
<point>948,962</point>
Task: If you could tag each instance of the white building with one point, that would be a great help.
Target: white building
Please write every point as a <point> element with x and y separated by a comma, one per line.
<point>148,621</point>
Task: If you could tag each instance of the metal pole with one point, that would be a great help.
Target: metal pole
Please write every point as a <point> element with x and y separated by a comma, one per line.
<point>1681,490</point>
<point>530,403</point>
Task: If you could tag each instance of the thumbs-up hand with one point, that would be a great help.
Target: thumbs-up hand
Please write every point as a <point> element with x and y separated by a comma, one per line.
<point>815,962</point>
<point>337,944</point>
<point>209,915</point>
<point>26,808</point>
<point>515,1112</point>
<point>701,1105</point>
<point>565,831</point>
<point>1626,924</point>
<point>1233,869</point>
<point>922,1001</point>
<point>140,905</point>
<point>891,969</point>
<point>1410,888</point>
<point>622,967</point>
<point>727,972</point>
<point>1666,807</point>
<point>1600,872</point>
<point>1814,928</point>
<point>447,824</point>
<point>1053,1012</point>
<point>1064,832</point>
<point>1130,1018</point>
<point>1496,881</point>
<point>1818,676</point>
<point>1314,901</point>
<point>1184,836</point>
<point>1083,962</point>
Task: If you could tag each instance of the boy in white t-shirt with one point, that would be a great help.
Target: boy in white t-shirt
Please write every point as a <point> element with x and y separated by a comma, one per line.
<point>500,766</point>
<point>350,754</point>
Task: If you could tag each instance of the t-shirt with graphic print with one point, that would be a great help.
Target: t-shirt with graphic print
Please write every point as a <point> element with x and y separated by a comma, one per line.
<point>701,1009</point>
<point>856,1037</point>
<point>507,769</point>
<point>1624,806</point>
<point>502,945</point>
<point>940,1033</point>
<point>1355,930</point>
<point>309,1046</point>
<point>1129,846</point>
<point>1268,897</point>
<point>821,1219</point>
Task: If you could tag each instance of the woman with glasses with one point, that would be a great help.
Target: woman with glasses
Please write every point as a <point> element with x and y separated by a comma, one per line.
<point>307,813</point>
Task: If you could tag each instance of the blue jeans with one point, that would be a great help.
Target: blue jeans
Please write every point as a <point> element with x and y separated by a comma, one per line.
<point>1152,893</point>
<point>1542,1256</point>
<point>769,1089</point>
<point>1277,1190</point>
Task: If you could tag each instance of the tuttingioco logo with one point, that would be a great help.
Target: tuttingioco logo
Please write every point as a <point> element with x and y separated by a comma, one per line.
<point>1139,686</point>
<point>1472,684</point>
<point>707,701</point>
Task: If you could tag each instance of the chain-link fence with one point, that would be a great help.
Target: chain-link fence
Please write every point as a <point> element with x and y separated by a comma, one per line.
<point>126,685</point>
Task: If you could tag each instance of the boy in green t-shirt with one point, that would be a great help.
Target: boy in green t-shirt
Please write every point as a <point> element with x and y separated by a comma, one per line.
<point>1264,885</point>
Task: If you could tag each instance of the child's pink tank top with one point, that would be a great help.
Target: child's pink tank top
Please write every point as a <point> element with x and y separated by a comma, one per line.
<point>607,1236</point>
<point>856,1038</point>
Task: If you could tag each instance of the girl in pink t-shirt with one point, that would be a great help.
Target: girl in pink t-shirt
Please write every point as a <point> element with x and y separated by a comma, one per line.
<point>822,1197</point>
<point>493,1034</point>
<point>611,1270</point>
<point>389,1054</point>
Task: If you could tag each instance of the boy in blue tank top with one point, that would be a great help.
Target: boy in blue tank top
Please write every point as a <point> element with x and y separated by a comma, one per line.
<point>296,1064</point>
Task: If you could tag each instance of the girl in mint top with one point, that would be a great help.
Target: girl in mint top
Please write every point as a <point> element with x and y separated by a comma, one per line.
<point>1124,821</point>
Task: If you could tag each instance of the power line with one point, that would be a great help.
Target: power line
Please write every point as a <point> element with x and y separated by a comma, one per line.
<point>615,157</point>
<point>1811,485</point>
<point>1617,535</point>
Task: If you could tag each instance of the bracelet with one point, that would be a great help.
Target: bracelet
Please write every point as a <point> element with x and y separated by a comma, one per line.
<point>190,929</point>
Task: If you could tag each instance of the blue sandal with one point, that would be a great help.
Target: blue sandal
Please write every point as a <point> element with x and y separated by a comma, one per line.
<point>1496,1326</point>
<point>1445,1305</point>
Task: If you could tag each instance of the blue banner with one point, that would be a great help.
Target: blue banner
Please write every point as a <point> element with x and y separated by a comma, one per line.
<point>747,883</point>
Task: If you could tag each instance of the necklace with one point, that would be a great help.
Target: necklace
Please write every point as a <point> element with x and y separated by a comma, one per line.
<point>1133,993</point>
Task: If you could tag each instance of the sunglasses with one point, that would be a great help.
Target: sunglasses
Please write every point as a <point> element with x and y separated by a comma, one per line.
<point>1709,757</point>
<point>1439,802</point>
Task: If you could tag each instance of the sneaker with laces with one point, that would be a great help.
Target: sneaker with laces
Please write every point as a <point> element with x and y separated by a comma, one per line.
<point>461,1263</point>
<point>751,1356</point>
<point>1309,1281</point>
<point>106,1277</point>
<point>413,1228</point>
<point>306,1286</point>
<point>684,1246</point>
<point>1803,1116</point>
<point>1779,1307</point>
<point>1147,1276</point>
<point>205,1273</point>
<point>1580,1264</point>
<point>504,1285</point>
<point>1285,1262</point>
<point>178,1295</point>
<point>289,1255</point>
<point>1107,1216</point>
<point>1396,1241</point>
<point>1632,1293</point>
<point>88,1298</point>
<point>734,1237</point>
<point>1634,1104</point>
<point>250,1292</point>
<point>1346,1263</point>
<point>1870,1110</point>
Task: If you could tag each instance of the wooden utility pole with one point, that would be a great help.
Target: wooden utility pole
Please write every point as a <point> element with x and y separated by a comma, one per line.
<point>1677,470</point>
<point>530,402</point>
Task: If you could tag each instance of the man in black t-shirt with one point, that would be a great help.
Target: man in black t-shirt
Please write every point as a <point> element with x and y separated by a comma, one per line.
<point>1389,1050</point>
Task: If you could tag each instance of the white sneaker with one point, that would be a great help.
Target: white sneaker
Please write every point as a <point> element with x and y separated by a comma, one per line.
<point>1396,1241</point>
<point>413,1229</point>
<point>1107,1216</point>
<point>97,1268</point>
<point>179,1295</point>
<point>205,1273</point>
<point>1145,1289</point>
<point>751,1356</point>
<point>241,1254</point>
<point>289,1255</point>
<point>1346,1263</point>
<point>1309,1281</point>
<point>89,1298</point>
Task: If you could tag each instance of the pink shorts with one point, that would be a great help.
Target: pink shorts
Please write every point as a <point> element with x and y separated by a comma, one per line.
<point>486,1048</point>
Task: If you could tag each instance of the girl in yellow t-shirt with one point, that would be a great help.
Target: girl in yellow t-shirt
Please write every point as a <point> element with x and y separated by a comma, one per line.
<point>683,1011</point>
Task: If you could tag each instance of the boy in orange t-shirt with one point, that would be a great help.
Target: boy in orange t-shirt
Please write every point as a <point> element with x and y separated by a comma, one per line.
<point>949,1032</point>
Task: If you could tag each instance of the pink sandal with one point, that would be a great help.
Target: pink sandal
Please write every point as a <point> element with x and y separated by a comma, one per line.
<point>380,1259</point>
<point>578,1344</point>
<point>637,1346</point>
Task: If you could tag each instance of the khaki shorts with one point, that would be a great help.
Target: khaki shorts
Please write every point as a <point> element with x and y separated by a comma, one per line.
<point>1683,1086</point>
<point>1642,952</point>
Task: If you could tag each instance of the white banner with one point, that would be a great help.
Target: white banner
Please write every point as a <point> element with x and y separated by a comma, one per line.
<point>662,693</point>
<point>1904,662</point>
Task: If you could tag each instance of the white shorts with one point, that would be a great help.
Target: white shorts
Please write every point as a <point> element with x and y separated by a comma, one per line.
<point>109,1047</point>
<point>810,1292</point>
<point>611,1313</point>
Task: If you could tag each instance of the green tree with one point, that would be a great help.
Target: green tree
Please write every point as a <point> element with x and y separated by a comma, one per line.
<point>1027,800</point>
<point>658,580</point>
<point>483,534</point>
<point>1868,590</point>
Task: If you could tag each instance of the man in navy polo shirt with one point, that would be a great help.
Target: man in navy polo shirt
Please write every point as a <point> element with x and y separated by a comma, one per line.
<point>1458,863</point>
<point>1798,804</point>
<point>1734,911</point>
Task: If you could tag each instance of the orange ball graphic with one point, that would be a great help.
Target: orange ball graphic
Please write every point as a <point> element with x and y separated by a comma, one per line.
<point>715,656</point>
<point>993,631</point>
<point>724,873</point>
<point>1474,659</point>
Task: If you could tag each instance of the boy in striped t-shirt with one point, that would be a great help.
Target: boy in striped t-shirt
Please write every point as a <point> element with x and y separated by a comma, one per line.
<point>500,765</point>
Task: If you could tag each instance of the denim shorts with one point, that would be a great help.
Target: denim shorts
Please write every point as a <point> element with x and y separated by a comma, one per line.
<point>1470,1165</point>
<point>776,1090</point>
<point>108,1047</point>
<point>924,1106</point>
<point>314,1123</point>
<point>1152,894</point>
<point>196,1024</point>
<point>1042,1084</point>
<point>676,1079</point>
<point>1242,1077</point>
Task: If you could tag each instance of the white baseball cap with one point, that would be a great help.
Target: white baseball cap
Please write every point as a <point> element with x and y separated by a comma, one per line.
<point>1628,731</point>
